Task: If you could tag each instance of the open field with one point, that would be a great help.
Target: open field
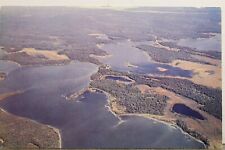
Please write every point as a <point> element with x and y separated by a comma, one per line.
<point>31,56</point>
<point>51,55</point>
<point>207,75</point>
<point>210,127</point>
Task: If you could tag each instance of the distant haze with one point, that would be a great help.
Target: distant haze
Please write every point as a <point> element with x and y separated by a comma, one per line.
<point>110,3</point>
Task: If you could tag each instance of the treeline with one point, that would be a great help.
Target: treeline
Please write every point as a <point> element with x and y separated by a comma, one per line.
<point>83,55</point>
<point>210,98</point>
<point>166,56</point>
<point>131,98</point>
<point>195,134</point>
<point>25,59</point>
<point>194,51</point>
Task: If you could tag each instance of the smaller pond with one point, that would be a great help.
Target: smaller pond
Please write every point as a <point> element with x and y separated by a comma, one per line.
<point>185,110</point>
<point>117,78</point>
<point>86,121</point>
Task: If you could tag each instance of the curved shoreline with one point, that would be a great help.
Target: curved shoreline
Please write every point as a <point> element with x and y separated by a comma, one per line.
<point>171,124</point>
<point>91,89</point>
<point>109,97</point>
<point>56,130</point>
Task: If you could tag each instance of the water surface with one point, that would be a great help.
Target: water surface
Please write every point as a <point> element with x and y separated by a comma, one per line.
<point>84,122</point>
<point>203,44</point>
<point>185,110</point>
<point>8,66</point>
<point>117,78</point>
<point>123,53</point>
<point>68,78</point>
<point>87,123</point>
<point>126,57</point>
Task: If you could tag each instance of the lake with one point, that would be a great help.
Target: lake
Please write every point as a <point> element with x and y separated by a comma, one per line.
<point>87,121</point>
<point>203,44</point>
<point>185,110</point>
<point>117,78</point>
<point>126,57</point>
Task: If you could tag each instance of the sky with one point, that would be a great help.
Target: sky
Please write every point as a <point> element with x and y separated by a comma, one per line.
<point>111,3</point>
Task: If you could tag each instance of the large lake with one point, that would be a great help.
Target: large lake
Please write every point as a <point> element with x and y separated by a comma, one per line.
<point>203,44</point>
<point>126,57</point>
<point>84,122</point>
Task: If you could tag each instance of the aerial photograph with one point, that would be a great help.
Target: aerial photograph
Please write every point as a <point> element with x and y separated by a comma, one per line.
<point>136,77</point>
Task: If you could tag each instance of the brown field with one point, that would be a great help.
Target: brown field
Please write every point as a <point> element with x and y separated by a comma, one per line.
<point>211,127</point>
<point>210,60</point>
<point>161,69</point>
<point>207,75</point>
<point>116,108</point>
<point>51,55</point>
<point>31,56</point>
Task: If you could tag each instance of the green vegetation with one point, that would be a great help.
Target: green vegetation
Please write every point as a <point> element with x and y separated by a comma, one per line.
<point>131,98</point>
<point>195,134</point>
<point>22,133</point>
<point>210,98</point>
<point>167,56</point>
<point>25,59</point>
<point>211,54</point>
<point>128,95</point>
<point>83,55</point>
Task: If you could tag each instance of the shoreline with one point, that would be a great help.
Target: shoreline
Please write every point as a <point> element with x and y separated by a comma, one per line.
<point>169,123</point>
<point>75,95</point>
<point>58,133</point>
<point>116,114</point>
<point>91,89</point>
<point>9,94</point>
<point>56,130</point>
<point>150,117</point>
